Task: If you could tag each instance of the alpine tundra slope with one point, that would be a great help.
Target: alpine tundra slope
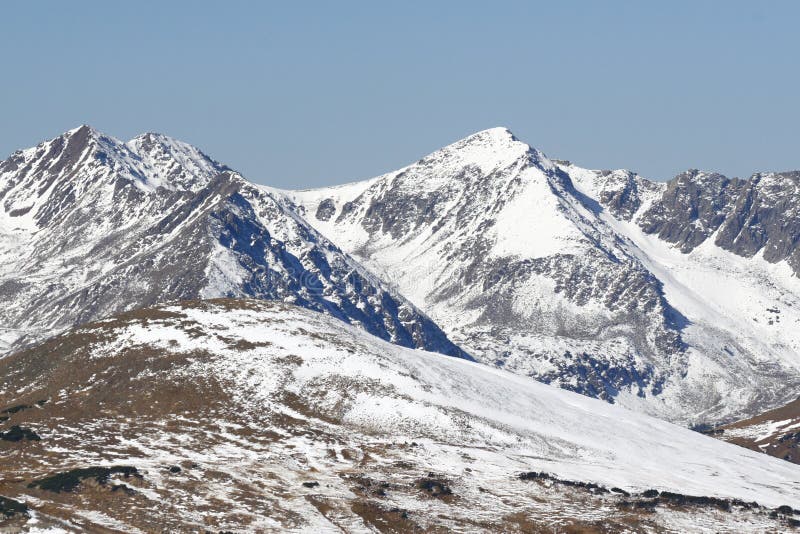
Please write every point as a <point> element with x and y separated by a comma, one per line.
<point>252,416</point>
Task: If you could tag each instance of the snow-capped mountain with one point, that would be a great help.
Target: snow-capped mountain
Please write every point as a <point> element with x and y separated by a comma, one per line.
<point>91,226</point>
<point>255,416</point>
<point>676,299</point>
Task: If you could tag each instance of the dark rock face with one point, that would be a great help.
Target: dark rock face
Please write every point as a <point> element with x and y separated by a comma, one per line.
<point>692,207</point>
<point>398,214</point>
<point>622,192</point>
<point>326,210</point>
<point>18,433</point>
<point>649,499</point>
<point>604,379</point>
<point>317,279</point>
<point>635,303</point>
<point>434,487</point>
<point>70,480</point>
<point>10,508</point>
<point>752,216</point>
<point>765,216</point>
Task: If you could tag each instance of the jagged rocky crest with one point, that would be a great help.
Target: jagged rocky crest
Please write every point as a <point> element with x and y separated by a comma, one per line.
<point>748,217</point>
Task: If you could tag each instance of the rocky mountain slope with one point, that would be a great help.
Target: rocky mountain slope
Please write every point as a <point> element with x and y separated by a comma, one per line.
<point>91,226</point>
<point>243,415</point>
<point>601,282</point>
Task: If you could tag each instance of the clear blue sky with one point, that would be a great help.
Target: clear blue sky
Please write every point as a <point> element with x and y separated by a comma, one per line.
<point>299,94</point>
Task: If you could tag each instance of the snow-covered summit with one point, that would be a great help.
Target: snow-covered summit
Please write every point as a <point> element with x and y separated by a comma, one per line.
<point>550,270</point>
<point>487,151</point>
<point>84,158</point>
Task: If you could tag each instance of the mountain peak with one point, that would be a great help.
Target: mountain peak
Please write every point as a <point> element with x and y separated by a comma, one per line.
<point>499,135</point>
<point>83,129</point>
<point>500,132</point>
<point>151,137</point>
<point>76,137</point>
<point>173,164</point>
<point>700,177</point>
<point>34,177</point>
<point>488,150</point>
<point>85,133</point>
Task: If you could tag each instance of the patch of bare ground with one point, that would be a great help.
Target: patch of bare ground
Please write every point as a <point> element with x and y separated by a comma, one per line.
<point>524,523</point>
<point>388,520</point>
<point>782,442</point>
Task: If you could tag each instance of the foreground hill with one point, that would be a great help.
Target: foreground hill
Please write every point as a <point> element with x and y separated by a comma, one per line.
<point>247,415</point>
<point>677,299</point>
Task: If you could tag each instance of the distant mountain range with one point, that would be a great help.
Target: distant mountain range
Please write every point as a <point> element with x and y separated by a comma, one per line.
<point>678,299</point>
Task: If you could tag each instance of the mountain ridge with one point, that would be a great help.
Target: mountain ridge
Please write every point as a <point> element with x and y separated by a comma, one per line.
<point>107,229</point>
